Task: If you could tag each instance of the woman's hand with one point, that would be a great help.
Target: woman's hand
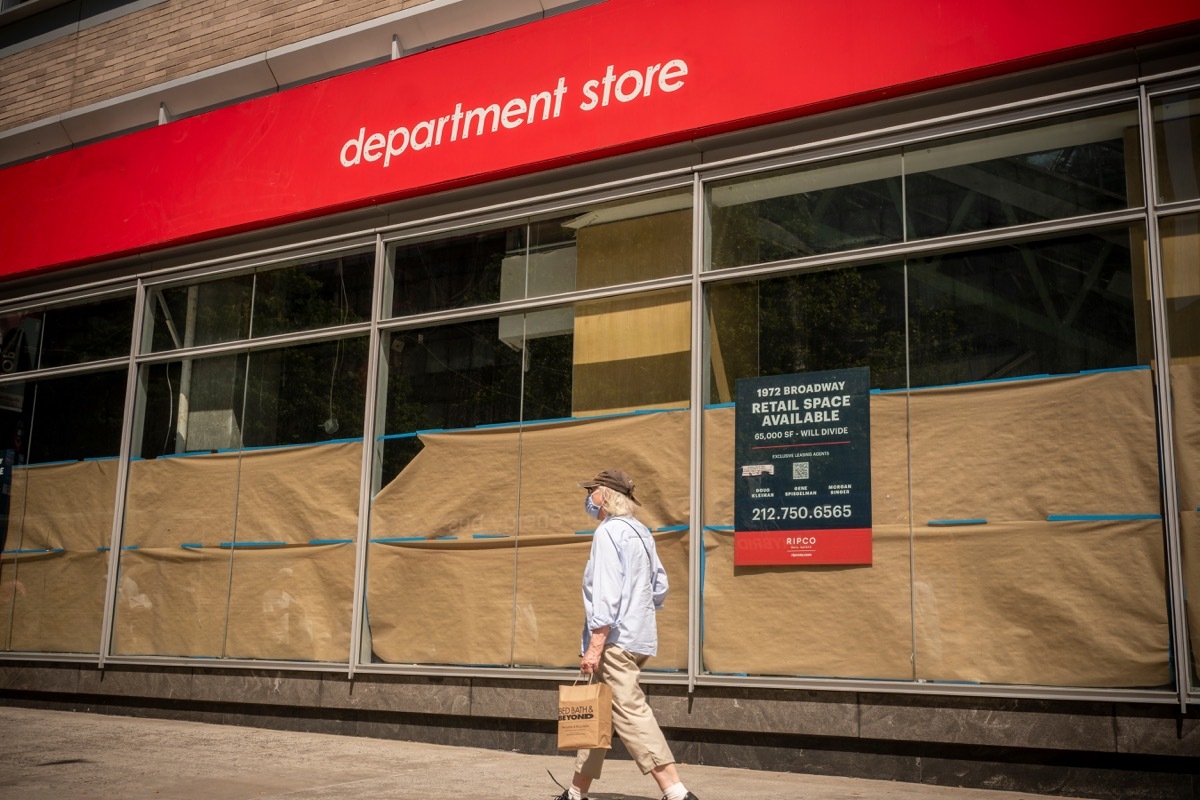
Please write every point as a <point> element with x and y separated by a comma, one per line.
<point>591,660</point>
<point>595,650</point>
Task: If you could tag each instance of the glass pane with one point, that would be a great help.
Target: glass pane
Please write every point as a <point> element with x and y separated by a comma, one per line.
<point>589,394</point>
<point>69,334</point>
<point>857,619</point>
<point>1044,307</point>
<point>57,487</point>
<point>1034,461</point>
<point>487,424</point>
<point>242,507</point>
<point>180,509</point>
<point>203,313</point>
<point>1177,146</point>
<point>805,211</point>
<point>292,572</point>
<point>335,290</point>
<point>1074,166</point>
<point>444,507</point>
<point>310,294</point>
<point>1181,272</point>
<point>617,242</point>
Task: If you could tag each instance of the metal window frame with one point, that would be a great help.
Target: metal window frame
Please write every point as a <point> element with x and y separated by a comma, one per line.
<point>697,177</point>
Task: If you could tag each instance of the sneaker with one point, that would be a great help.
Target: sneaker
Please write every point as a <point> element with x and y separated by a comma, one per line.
<point>566,795</point>
<point>688,796</point>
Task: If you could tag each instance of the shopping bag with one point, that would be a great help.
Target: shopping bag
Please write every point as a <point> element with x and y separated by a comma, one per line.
<point>585,716</point>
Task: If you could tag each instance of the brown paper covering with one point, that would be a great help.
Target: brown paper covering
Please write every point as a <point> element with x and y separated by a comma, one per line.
<point>53,603</point>
<point>287,494</point>
<point>453,602</point>
<point>465,483</point>
<point>66,506</point>
<point>1018,600</point>
<point>283,603</point>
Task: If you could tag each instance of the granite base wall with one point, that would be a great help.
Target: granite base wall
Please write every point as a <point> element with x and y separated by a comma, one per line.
<point>1090,749</point>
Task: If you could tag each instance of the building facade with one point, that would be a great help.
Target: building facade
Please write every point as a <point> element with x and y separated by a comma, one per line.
<point>314,316</point>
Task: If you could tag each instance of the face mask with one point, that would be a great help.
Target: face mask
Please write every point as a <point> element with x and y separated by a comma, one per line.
<point>591,508</point>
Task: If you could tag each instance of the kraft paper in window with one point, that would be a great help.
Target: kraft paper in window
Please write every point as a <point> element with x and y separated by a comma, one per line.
<point>66,506</point>
<point>291,603</point>
<point>465,482</point>
<point>828,621</point>
<point>1046,603</point>
<point>53,603</point>
<point>1028,449</point>
<point>453,602</point>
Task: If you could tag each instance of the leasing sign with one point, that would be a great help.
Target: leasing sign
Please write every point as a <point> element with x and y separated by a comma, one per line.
<point>802,491</point>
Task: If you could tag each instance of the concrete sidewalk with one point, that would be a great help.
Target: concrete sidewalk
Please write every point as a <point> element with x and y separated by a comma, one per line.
<point>61,755</point>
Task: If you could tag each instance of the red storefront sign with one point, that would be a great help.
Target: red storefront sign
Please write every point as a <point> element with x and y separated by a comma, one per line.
<point>607,79</point>
<point>802,548</point>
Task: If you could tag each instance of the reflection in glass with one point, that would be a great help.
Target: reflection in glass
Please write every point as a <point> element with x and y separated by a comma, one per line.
<point>58,336</point>
<point>857,619</point>
<point>1181,279</point>
<point>1042,307</point>
<point>59,439</point>
<point>1177,145</point>
<point>242,506</point>
<point>1078,165</point>
<point>808,322</point>
<point>602,245</point>
<point>805,211</point>
<point>476,513</point>
<point>319,293</point>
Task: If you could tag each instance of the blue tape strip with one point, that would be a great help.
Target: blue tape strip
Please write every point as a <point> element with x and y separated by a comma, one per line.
<point>718,527</point>
<point>528,422</point>
<point>23,552</point>
<point>130,547</point>
<point>102,549</point>
<point>252,544</point>
<point>584,533</point>
<point>191,545</point>
<point>668,528</point>
<point>390,539</point>
<point>330,541</point>
<point>1099,517</point>
<point>938,523</point>
<point>489,536</point>
<point>719,405</point>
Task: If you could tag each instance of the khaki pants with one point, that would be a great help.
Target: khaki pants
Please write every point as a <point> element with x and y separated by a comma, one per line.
<point>632,718</point>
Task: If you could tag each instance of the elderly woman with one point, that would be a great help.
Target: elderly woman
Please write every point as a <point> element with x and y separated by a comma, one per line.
<point>624,583</point>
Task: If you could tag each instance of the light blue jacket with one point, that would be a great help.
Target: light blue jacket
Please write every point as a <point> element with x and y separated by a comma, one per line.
<point>624,584</point>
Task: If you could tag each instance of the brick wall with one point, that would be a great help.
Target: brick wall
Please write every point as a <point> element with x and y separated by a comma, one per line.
<point>162,43</point>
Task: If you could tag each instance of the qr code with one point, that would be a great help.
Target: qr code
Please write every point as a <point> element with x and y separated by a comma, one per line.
<point>800,471</point>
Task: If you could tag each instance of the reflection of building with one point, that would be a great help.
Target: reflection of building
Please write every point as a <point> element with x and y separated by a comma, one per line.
<point>207,318</point>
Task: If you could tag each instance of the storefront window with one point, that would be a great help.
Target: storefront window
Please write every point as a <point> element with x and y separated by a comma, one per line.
<point>792,213</point>
<point>1176,134</point>
<point>57,487</point>
<point>242,507</point>
<point>307,295</point>
<point>1069,167</point>
<point>1034,461</point>
<point>478,536</point>
<point>856,619</point>
<point>61,335</point>
<point>1181,273</point>
<point>603,245</point>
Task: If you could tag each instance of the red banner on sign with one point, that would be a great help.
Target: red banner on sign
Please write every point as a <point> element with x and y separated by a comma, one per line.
<point>603,80</point>
<point>802,548</point>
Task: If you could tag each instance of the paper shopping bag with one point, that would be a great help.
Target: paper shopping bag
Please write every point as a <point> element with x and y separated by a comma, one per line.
<point>585,716</point>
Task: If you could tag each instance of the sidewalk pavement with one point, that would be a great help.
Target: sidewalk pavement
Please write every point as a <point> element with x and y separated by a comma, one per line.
<point>62,755</point>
